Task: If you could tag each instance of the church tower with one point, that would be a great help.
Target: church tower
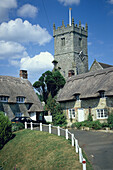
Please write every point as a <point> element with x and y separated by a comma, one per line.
<point>70,49</point>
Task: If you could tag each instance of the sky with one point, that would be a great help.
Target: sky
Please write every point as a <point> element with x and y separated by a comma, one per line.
<point>26,32</point>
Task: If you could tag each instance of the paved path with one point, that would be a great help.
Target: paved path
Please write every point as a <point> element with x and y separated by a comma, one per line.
<point>98,147</point>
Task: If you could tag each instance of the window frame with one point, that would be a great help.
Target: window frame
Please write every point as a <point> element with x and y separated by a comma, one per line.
<point>102,113</point>
<point>4,99</point>
<point>20,99</point>
<point>71,113</point>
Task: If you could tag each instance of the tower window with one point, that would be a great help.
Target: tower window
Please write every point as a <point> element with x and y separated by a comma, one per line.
<point>80,42</point>
<point>63,41</point>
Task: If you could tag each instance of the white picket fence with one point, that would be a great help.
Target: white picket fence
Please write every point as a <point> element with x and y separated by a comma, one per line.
<point>67,135</point>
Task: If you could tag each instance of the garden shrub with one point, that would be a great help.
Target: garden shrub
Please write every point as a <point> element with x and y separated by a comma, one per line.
<point>91,124</point>
<point>104,125</point>
<point>110,121</point>
<point>95,125</point>
<point>17,126</point>
<point>90,117</point>
<point>5,129</point>
<point>77,125</point>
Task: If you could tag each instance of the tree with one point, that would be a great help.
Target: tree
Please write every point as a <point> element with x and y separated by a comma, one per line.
<point>5,129</point>
<point>49,82</point>
<point>58,116</point>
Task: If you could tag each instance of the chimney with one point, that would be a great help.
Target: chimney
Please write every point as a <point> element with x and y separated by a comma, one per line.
<point>23,74</point>
<point>71,73</point>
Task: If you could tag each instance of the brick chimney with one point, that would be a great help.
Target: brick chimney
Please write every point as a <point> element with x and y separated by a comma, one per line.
<point>71,73</point>
<point>23,74</point>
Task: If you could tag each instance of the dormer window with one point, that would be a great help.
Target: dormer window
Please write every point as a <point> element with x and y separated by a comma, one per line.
<point>20,99</point>
<point>4,99</point>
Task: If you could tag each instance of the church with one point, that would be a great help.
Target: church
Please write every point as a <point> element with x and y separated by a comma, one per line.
<point>87,91</point>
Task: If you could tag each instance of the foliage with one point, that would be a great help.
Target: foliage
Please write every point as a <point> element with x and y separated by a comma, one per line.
<point>5,129</point>
<point>95,125</point>
<point>49,82</point>
<point>91,124</point>
<point>104,124</point>
<point>17,126</point>
<point>90,117</point>
<point>58,116</point>
<point>110,121</point>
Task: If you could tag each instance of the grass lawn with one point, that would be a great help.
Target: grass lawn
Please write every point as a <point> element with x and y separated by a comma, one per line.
<point>38,150</point>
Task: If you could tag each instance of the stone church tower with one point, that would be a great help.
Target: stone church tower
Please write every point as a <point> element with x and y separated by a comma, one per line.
<point>70,49</point>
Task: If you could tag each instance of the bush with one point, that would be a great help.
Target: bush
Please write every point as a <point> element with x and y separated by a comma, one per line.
<point>90,117</point>
<point>104,125</point>
<point>58,116</point>
<point>5,129</point>
<point>17,126</point>
<point>95,125</point>
<point>110,121</point>
<point>91,124</point>
<point>77,125</point>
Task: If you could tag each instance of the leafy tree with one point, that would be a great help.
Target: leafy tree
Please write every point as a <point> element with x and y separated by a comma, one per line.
<point>49,82</point>
<point>58,116</point>
<point>5,129</point>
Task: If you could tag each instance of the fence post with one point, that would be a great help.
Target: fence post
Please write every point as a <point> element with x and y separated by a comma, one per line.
<point>67,134</point>
<point>31,126</point>
<point>84,164</point>
<point>49,128</point>
<point>80,155</point>
<point>58,131</point>
<point>72,139</point>
<point>40,126</point>
<point>76,145</point>
<point>25,125</point>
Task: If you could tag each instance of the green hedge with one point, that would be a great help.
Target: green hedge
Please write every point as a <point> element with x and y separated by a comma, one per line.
<point>5,129</point>
<point>17,126</point>
<point>91,124</point>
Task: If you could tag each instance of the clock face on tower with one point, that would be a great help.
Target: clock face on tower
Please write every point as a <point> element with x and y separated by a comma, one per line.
<point>81,55</point>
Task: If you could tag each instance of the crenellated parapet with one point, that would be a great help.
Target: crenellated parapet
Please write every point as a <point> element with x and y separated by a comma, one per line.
<point>79,29</point>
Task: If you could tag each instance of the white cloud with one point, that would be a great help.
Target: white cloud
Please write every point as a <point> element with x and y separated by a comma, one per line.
<point>8,4</point>
<point>19,31</point>
<point>5,6</point>
<point>110,1</point>
<point>12,50</point>
<point>38,64</point>
<point>27,10</point>
<point>69,2</point>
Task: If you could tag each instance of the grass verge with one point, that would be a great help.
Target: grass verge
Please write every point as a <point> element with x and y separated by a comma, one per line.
<point>38,150</point>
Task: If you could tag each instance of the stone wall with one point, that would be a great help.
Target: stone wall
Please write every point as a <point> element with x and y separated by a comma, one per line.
<point>93,104</point>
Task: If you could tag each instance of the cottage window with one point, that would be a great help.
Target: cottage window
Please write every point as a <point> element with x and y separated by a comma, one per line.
<point>20,99</point>
<point>102,114</point>
<point>71,113</point>
<point>3,99</point>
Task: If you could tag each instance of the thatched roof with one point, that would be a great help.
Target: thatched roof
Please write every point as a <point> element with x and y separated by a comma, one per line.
<point>16,87</point>
<point>88,85</point>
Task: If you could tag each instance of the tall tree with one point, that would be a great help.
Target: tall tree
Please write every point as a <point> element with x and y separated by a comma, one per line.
<point>49,82</point>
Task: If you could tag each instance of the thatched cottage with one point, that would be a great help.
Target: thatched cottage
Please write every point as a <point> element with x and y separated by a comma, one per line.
<point>88,93</point>
<point>18,98</point>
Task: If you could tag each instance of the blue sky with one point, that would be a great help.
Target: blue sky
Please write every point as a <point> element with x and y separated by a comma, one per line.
<point>26,29</point>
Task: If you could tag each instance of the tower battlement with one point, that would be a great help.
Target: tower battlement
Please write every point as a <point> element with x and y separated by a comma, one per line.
<point>70,28</point>
<point>70,48</point>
